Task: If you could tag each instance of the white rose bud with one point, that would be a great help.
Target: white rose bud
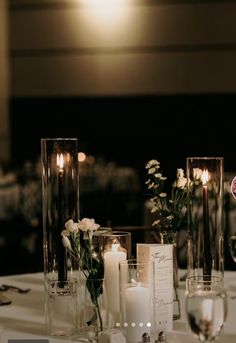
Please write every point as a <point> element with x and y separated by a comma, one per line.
<point>66,242</point>
<point>71,226</point>
<point>180,173</point>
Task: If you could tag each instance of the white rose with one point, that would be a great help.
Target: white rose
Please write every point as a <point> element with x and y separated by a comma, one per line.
<point>180,173</point>
<point>71,226</point>
<point>87,224</point>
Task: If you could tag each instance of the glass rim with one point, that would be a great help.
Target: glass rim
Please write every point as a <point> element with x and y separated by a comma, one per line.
<point>64,282</point>
<point>200,279</point>
<point>117,234</point>
<point>206,158</point>
<point>59,139</point>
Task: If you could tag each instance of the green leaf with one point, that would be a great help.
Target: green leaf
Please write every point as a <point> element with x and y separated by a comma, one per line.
<point>95,289</point>
<point>93,319</point>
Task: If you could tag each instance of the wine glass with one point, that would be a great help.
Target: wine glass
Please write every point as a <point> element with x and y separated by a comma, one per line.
<point>206,306</point>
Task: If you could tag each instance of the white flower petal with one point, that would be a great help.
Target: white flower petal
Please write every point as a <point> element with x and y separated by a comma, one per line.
<point>151,185</point>
<point>66,242</point>
<point>197,173</point>
<point>71,226</point>
<point>65,233</point>
<point>180,173</point>
<point>87,224</point>
<point>154,209</point>
<point>158,175</point>
<point>181,182</point>
<point>152,171</point>
<point>162,195</point>
<point>152,163</point>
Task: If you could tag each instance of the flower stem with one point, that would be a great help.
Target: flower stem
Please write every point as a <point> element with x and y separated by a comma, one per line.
<point>99,314</point>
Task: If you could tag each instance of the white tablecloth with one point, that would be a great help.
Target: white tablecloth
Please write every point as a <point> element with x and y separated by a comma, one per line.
<point>24,318</point>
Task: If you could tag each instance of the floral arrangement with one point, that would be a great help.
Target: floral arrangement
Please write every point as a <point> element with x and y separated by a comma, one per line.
<point>170,210</point>
<point>77,239</point>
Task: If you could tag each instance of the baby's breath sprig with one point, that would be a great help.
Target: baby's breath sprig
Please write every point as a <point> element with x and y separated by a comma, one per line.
<point>170,210</point>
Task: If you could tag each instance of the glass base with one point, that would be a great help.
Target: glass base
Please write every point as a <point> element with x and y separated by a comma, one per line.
<point>61,308</point>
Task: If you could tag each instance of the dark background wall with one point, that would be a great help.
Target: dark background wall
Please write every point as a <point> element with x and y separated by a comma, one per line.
<point>129,130</point>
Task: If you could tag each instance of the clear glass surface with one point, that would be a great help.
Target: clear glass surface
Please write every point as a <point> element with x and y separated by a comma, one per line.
<point>206,306</point>
<point>205,216</point>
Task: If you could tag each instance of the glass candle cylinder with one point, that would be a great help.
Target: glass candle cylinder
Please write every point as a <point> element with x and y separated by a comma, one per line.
<point>116,248</point>
<point>205,254</point>
<point>60,203</point>
<point>62,309</point>
<point>137,299</point>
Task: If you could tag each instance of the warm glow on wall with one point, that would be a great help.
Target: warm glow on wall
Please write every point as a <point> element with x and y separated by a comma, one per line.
<point>106,13</point>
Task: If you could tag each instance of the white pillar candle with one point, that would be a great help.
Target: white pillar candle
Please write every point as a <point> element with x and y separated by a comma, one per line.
<point>138,312</point>
<point>111,265</point>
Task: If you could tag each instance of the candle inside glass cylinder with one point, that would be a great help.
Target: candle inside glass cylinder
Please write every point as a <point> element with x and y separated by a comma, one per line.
<point>138,312</point>
<point>62,268</point>
<point>207,258</point>
<point>111,265</point>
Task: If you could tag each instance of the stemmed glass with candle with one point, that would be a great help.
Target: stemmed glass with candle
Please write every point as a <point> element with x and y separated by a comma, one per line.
<point>206,306</point>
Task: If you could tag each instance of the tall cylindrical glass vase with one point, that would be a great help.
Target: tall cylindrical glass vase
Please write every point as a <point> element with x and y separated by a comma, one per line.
<point>60,203</point>
<point>205,216</point>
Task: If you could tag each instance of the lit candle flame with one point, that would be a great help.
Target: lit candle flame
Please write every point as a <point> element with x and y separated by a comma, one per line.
<point>205,177</point>
<point>60,161</point>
